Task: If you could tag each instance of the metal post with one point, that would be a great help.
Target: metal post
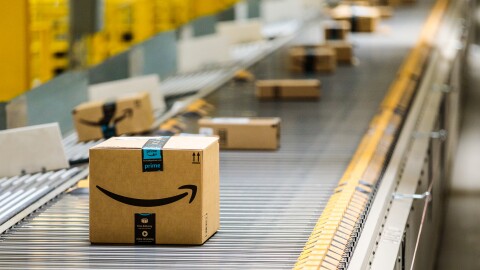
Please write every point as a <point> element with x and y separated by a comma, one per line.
<point>3,115</point>
<point>86,17</point>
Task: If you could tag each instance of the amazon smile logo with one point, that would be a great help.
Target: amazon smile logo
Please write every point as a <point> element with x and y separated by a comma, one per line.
<point>152,202</point>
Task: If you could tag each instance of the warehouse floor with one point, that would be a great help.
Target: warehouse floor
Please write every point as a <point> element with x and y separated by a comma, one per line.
<point>460,249</point>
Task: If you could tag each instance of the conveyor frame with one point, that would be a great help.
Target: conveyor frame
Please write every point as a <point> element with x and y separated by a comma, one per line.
<point>420,163</point>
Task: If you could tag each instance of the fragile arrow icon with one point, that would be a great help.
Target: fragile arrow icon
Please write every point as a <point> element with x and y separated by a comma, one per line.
<point>198,157</point>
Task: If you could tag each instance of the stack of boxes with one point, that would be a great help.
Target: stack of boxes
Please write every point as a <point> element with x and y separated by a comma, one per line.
<point>361,18</point>
<point>336,37</point>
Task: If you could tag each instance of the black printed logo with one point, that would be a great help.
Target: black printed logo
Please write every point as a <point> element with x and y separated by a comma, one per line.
<point>154,202</point>
<point>108,123</point>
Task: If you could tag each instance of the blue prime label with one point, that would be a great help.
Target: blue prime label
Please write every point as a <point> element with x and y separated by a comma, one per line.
<point>152,154</point>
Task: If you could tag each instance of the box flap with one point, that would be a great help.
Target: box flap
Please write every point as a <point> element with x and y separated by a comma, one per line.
<point>119,88</point>
<point>176,142</point>
<point>123,143</point>
<point>99,103</point>
<point>190,143</point>
<point>240,121</point>
<point>300,83</point>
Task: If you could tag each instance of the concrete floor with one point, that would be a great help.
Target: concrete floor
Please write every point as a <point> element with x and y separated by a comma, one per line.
<point>460,246</point>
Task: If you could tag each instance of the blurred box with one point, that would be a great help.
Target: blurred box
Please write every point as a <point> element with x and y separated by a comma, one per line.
<point>115,89</point>
<point>336,30</point>
<point>241,31</point>
<point>385,11</point>
<point>154,190</point>
<point>312,59</point>
<point>361,18</point>
<point>288,89</point>
<point>343,50</point>
<point>131,114</point>
<point>242,132</point>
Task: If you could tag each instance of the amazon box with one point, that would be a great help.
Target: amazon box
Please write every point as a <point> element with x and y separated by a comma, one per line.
<point>154,190</point>
<point>385,11</point>
<point>343,50</point>
<point>312,59</point>
<point>336,30</point>
<point>243,133</point>
<point>361,18</point>
<point>130,114</point>
<point>288,89</point>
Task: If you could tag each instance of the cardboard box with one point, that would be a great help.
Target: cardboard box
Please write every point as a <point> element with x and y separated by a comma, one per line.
<point>336,30</point>
<point>288,89</point>
<point>312,59</point>
<point>154,190</point>
<point>243,133</point>
<point>130,114</point>
<point>385,12</point>
<point>361,18</point>
<point>118,88</point>
<point>357,2</point>
<point>343,50</point>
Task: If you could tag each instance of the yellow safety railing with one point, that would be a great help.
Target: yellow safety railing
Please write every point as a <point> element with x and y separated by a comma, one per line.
<point>331,235</point>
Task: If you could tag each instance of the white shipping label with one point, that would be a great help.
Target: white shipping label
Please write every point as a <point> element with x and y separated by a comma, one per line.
<point>206,131</point>
<point>231,120</point>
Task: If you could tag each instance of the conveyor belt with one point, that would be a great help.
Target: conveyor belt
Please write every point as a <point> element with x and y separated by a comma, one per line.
<point>28,188</point>
<point>179,85</point>
<point>270,201</point>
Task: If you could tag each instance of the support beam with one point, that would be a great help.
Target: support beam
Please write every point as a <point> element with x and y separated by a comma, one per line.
<point>14,49</point>
<point>85,19</point>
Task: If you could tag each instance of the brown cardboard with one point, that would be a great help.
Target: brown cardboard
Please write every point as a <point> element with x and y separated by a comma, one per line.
<point>385,12</point>
<point>357,2</point>
<point>343,50</point>
<point>336,30</point>
<point>288,89</point>
<point>312,59</point>
<point>243,133</point>
<point>189,217</point>
<point>130,114</point>
<point>361,18</point>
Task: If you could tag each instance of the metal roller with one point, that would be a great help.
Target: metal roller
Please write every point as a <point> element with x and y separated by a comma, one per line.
<point>270,201</point>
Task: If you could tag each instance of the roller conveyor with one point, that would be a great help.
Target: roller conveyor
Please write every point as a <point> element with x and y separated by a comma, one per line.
<point>270,201</point>
<point>203,82</point>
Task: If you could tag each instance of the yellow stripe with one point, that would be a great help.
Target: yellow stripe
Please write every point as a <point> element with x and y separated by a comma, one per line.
<point>347,198</point>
